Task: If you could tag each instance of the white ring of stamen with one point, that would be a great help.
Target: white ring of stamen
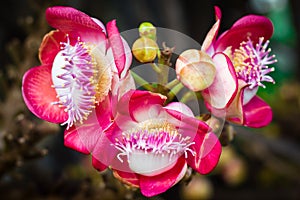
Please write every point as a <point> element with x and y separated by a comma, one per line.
<point>73,76</point>
<point>251,62</point>
<point>157,141</point>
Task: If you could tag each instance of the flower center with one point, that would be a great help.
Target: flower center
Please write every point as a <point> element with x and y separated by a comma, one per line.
<point>251,62</point>
<point>153,147</point>
<point>74,79</point>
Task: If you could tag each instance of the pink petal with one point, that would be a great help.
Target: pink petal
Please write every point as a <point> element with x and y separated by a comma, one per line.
<point>73,140</point>
<point>149,112</point>
<point>208,150</point>
<point>136,101</point>
<point>154,185</point>
<point>252,26</point>
<point>234,111</point>
<point>75,23</point>
<point>98,164</point>
<point>257,113</point>
<point>104,112</point>
<point>39,96</point>
<point>126,84</point>
<point>84,137</point>
<point>105,152</point>
<point>131,179</point>
<point>116,44</point>
<point>90,135</point>
<point>213,33</point>
<point>89,138</point>
<point>187,126</point>
<point>122,85</point>
<point>50,46</point>
<point>180,107</point>
<point>224,88</point>
<point>128,58</point>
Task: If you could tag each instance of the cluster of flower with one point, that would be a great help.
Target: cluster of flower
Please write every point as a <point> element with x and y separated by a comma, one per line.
<point>84,82</point>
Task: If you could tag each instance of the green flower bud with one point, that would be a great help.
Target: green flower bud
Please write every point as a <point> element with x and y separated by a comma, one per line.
<point>147,29</point>
<point>144,49</point>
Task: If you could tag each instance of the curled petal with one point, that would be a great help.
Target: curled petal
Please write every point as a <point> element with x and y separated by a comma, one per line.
<point>74,22</point>
<point>208,150</point>
<point>136,102</point>
<point>180,107</point>
<point>187,126</point>
<point>252,26</point>
<point>234,111</point>
<point>122,85</point>
<point>84,137</point>
<point>212,34</point>
<point>73,140</point>
<point>128,58</point>
<point>154,185</point>
<point>224,88</point>
<point>257,113</point>
<point>116,43</point>
<point>39,95</point>
<point>98,164</point>
<point>50,46</point>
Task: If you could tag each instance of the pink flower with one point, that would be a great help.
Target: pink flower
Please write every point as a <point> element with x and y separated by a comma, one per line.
<point>242,60</point>
<point>81,64</point>
<point>150,145</point>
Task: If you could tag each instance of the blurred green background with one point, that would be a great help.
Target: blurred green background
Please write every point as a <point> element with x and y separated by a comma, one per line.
<point>257,164</point>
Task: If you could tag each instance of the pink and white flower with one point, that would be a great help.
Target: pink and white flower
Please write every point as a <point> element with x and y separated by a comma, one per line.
<point>242,60</point>
<point>149,146</point>
<point>82,62</point>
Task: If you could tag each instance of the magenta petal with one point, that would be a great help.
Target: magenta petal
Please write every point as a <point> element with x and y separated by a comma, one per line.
<point>50,46</point>
<point>84,137</point>
<point>72,140</point>
<point>135,101</point>
<point>224,88</point>
<point>187,126</point>
<point>128,58</point>
<point>208,150</point>
<point>154,185</point>
<point>74,22</point>
<point>98,164</point>
<point>257,113</point>
<point>116,44</point>
<point>105,153</point>
<point>252,26</point>
<point>104,112</point>
<point>39,96</point>
<point>212,34</point>
<point>180,107</point>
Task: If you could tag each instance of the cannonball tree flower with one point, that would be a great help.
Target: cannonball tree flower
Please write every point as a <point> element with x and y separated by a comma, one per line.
<point>242,60</point>
<point>82,62</point>
<point>150,146</point>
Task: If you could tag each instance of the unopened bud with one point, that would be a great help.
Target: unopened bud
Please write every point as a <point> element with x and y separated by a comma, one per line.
<point>146,29</point>
<point>144,49</point>
<point>195,69</point>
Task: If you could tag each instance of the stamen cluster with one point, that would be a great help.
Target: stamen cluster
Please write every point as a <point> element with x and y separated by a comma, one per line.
<point>160,139</point>
<point>251,62</point>
<point>77,86</point>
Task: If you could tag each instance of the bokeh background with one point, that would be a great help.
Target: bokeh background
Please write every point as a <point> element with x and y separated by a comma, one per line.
<point>256,164</point>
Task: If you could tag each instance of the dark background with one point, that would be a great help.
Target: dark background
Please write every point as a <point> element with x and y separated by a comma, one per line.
<point>257,164</point>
